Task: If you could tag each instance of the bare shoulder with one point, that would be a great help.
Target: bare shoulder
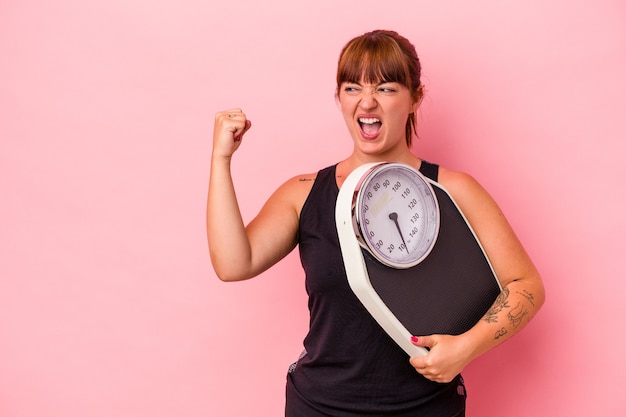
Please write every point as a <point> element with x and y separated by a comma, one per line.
<point>468,193</point>
<point>299,184</point>
<point>458,183</point>
<point>295,190</point>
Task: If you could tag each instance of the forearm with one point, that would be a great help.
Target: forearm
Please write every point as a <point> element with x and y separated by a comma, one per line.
<point>516,305</point>
<point>228,242</point>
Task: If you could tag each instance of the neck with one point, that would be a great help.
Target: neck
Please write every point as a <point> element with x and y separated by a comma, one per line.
<point>345,167</point>
<point>402,154</point>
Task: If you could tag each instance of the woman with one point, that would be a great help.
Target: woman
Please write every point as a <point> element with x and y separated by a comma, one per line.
<point>350,367</point>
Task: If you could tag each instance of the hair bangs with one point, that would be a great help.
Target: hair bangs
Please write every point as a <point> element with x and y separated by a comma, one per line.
<point>373,61</point>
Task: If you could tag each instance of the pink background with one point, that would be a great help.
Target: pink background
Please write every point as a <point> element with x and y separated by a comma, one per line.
<point>108,303</point>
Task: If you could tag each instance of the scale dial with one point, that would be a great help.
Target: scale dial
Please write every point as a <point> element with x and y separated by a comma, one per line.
<point>395,214</point>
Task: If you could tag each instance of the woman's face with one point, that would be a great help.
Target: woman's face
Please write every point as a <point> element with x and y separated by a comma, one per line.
<point>376,115</point>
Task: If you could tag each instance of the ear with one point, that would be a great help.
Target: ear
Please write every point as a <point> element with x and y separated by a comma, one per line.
<point>417,98</point>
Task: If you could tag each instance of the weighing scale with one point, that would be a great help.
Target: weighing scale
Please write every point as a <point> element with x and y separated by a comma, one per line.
<point>411,257</point>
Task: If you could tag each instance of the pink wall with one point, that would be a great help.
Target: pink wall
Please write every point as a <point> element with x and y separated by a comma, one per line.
<point>108,303</point>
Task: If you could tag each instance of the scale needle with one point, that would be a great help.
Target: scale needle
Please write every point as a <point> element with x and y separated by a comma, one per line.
<point>394,216</point>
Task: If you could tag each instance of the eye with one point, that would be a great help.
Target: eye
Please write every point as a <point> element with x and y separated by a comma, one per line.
<point>386,89</point>
<point>351,89</point>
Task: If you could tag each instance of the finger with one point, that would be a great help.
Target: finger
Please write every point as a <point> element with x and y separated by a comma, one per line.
<point>236,110</point>
<point>247,126</point>
<point>230,115</point>
<point>423,341</point>
<point>418,363</point>
<point>423,368</point>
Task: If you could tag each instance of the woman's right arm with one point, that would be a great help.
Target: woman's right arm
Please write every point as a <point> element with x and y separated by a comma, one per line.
<point>239,252</point>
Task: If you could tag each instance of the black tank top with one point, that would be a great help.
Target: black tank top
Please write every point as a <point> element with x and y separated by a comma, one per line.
<point>350,366</point>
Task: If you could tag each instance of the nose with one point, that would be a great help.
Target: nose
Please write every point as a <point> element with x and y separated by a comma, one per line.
<point>368,98</point>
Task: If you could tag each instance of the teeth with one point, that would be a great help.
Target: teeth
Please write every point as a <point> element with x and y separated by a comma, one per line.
<point>368,120</point>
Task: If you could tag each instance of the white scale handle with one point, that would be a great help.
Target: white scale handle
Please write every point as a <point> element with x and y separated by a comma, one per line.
<point>356,269</point>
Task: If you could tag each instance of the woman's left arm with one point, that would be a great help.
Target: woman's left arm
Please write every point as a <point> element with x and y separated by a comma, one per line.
<point>522,290</point>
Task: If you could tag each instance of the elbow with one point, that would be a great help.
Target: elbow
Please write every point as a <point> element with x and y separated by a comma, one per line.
<point>532,289</point>
<point>536,293</point>
<point>231,268</point>
<point>222,276</point>
<point>539,291</point>
<point>229,271</point>
<point>227,274</point>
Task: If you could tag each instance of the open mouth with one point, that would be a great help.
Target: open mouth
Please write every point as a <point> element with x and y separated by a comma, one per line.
<point>370,126</point>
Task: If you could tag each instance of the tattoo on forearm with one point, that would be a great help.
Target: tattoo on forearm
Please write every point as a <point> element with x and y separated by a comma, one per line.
<point>528,296</point>
<point>500,333</point>
<point>516,314</point>
<point>491,316</point>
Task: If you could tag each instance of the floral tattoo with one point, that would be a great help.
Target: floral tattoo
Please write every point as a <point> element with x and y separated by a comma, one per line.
<point>500,304</point>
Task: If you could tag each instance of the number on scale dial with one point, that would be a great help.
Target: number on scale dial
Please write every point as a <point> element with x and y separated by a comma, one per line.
<point>396,215</point>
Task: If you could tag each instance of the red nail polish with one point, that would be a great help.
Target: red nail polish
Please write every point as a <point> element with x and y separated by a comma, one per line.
<point>414,339</point>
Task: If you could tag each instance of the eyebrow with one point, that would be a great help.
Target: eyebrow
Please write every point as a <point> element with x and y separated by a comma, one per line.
<point>380,83</point>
